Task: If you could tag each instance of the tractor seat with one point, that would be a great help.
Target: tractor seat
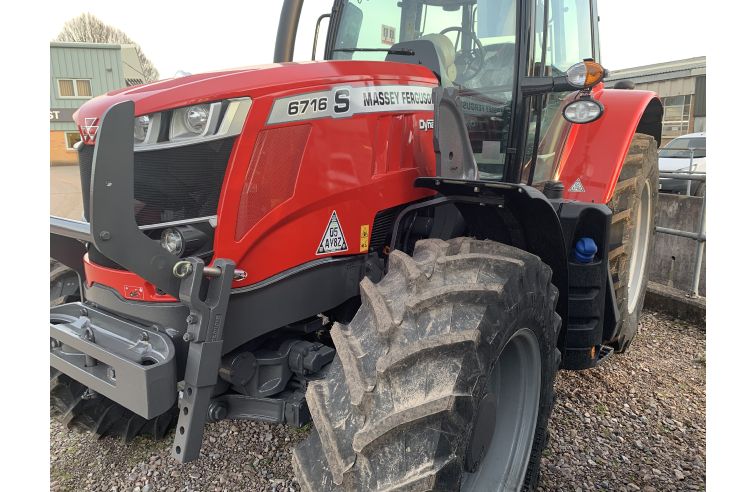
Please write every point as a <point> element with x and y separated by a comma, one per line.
<point>434,51</point>
<point>446,52</point>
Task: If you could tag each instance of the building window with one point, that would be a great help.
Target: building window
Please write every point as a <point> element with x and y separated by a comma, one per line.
<point>71,139</point>
<point>79,88</point>
<point>676,116</point>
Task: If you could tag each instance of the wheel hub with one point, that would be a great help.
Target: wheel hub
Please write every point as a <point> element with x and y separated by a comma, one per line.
<point>501,440</point>
<point>485,423</point>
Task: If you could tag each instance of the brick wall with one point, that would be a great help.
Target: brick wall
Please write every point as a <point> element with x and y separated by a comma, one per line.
<point>59,155</point>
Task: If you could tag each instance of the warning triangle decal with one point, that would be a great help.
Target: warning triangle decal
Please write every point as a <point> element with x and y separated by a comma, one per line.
<point>333,238</point>
<point>577,187</point>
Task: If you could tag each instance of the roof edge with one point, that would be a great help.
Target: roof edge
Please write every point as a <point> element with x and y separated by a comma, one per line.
<point>70,44</point>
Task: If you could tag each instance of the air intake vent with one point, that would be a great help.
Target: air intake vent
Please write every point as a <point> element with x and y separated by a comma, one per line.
<point>382,227</point>
<point>272,173</point>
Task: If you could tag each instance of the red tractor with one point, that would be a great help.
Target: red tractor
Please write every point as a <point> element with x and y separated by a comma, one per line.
<point>402,243</point>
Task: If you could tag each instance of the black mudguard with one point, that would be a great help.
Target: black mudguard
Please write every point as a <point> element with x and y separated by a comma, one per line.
<point>524,217</point>
<point>513,214</point>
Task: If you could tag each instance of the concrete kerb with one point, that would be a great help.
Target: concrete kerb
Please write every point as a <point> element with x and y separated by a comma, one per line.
<point>676,303</point>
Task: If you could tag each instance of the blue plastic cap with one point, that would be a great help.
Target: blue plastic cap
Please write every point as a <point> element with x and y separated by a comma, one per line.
<point>585,250</point>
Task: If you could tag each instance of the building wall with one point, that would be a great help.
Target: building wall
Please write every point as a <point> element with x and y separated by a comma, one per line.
<point>132,67</point>
<point>681,85</point>
<point>100,64</point>
<point>59,154</point>
<point>668,89</point>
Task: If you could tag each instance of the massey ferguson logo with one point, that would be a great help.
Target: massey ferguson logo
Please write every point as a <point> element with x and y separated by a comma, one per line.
<point>89,129</point>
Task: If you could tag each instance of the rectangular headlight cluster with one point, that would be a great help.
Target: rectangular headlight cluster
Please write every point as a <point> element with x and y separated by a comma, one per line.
<point>190,124</point>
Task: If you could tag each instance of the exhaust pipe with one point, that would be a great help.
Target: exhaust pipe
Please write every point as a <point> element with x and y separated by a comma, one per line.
<point>287,31</point>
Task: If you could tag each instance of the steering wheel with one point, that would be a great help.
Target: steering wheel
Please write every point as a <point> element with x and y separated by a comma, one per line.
<point>472,60</point>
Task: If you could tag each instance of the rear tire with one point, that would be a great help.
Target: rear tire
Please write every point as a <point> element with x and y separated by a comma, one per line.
<point>400,408</point>
<point>85,411</point>
<point>632,234</point>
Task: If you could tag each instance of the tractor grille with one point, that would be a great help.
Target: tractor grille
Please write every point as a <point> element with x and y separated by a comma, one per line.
<point>86,153</point>
<point>171,184</point>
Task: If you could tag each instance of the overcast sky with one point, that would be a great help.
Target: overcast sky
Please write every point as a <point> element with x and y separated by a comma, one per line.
<point>198,37</point>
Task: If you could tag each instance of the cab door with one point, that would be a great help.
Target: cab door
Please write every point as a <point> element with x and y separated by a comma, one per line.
<point>565,33</point>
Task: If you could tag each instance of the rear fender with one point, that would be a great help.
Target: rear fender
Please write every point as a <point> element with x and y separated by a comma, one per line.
<point>594,152</point>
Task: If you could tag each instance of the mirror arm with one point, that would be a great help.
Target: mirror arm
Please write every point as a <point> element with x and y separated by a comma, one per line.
<point>533,86</point>
<point>317,32</point>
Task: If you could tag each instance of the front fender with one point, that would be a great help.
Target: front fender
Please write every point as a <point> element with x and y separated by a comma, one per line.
<point>594,152</point>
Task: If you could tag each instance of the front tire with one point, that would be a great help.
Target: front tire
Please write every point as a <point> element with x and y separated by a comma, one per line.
<point>462,331</point>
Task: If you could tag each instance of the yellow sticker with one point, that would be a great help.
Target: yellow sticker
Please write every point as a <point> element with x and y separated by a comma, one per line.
<point>364,238</point>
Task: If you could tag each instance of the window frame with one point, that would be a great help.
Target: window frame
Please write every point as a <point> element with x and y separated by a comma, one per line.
<point>683,122</point>
<point>65,139</point>
<point>75,88</point>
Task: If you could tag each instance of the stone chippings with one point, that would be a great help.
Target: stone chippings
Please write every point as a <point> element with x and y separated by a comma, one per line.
<point>637,422</point>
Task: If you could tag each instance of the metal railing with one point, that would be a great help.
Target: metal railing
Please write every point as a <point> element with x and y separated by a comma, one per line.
<point>700,235</point>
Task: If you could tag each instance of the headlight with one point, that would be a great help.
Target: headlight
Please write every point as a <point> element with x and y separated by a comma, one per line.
<point>196,118</point>
<point>191,124</point>
<point>193,121</point>
<point>172,241</point>
<point>141,125</point>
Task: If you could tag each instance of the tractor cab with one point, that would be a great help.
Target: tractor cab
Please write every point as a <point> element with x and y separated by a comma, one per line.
<point>491,52</point>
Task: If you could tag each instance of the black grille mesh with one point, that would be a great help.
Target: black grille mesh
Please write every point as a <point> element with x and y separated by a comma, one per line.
<point>171,184</point>
<point>86,152</point>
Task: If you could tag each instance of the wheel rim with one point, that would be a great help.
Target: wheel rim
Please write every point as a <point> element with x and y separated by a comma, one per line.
<point>516,383</point>
<point>642,234</point>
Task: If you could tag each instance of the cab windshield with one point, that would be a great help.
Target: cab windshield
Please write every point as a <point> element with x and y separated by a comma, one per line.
<point>478,49</point>
<point>476,42</point>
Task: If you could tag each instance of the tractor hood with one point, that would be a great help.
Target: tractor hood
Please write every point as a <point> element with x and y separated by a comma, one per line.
<point>246,82</point>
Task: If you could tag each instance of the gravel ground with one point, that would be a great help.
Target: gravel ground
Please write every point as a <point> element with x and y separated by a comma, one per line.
<point>638,422</point>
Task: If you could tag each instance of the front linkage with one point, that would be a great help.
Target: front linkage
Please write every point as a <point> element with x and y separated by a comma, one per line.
<point>205,336</point>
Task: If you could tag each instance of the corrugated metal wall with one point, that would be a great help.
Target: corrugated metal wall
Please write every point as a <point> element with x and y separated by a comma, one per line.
<point>672,87</point>
<point>100,64</point>
<point>700,103</point>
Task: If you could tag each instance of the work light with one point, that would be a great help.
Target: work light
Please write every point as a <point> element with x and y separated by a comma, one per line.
<point>172,241</point>
<point>182,239</point>
<point>583,110</point>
